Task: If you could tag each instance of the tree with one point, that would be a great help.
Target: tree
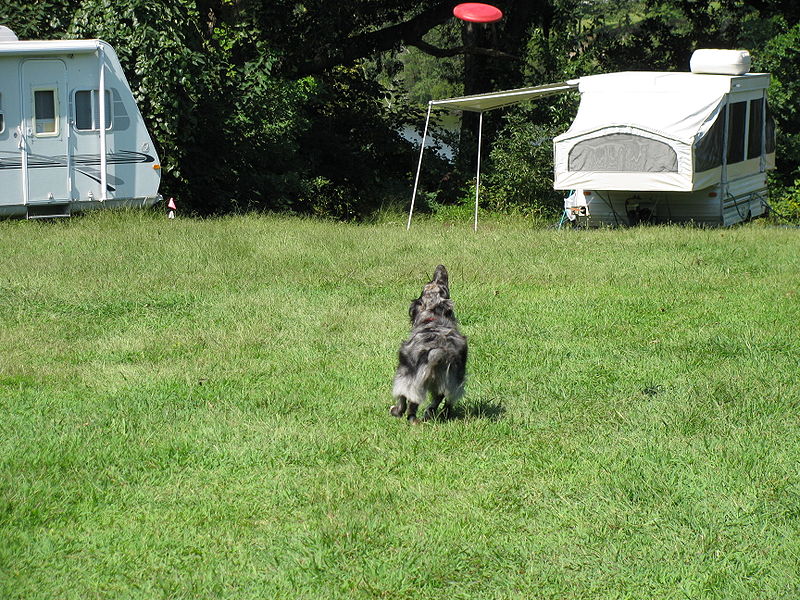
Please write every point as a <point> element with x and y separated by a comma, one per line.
<point>352,30</point>
<point>44,19</point>
<point>286,105</point>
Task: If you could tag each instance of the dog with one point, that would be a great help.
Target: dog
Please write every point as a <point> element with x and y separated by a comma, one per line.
<point>434,357</point>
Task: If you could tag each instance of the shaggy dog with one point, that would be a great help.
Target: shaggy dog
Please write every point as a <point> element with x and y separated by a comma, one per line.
<point>434,357</point>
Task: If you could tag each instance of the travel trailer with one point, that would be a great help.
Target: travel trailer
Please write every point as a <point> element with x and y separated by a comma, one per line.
<point>71,135</point>
<point>659,147</point>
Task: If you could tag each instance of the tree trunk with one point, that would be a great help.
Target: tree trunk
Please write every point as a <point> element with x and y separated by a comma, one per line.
<point>476,81</point>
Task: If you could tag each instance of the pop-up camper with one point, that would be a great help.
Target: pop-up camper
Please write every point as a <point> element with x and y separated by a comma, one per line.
<point>62,149</point>
<point>661,147</point>
<point>670,147</point>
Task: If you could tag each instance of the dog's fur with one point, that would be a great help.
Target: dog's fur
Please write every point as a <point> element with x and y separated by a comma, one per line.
<point>434,357</point>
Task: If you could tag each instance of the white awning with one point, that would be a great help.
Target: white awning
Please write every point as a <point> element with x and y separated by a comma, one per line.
<point>49,47</point>
<point>480,103</point>
<point>492,100</point>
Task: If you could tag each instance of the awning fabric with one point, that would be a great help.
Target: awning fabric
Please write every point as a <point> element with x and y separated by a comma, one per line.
<point>492,100</point>
<point>480,103</point>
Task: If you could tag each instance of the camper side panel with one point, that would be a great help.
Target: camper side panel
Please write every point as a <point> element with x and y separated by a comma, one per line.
<point>132,167</point>
<point>10,117</point>
<point>746,198</point>
<point>613,208</point>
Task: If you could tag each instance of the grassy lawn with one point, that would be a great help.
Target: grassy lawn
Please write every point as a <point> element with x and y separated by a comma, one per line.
<point>199,409</point>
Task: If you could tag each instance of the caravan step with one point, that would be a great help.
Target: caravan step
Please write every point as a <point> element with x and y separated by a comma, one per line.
<point>48,211</point>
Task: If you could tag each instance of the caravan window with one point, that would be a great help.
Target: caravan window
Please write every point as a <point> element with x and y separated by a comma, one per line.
<point>87,110</point>
<point>736,128</point>
<point>623,152</point>
<point>754,128</point>
<point>45,112</point>
<point>2,120</point>
<point>708,152</point>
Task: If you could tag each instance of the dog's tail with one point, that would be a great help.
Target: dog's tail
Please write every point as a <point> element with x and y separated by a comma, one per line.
<point>428,370</point>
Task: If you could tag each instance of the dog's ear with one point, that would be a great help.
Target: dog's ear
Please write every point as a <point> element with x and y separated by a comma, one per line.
<point>414,309</point>
<point>441,278</point>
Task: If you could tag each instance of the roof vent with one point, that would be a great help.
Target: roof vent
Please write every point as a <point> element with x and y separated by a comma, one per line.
<point>720,62</point>
<point>6,35</point>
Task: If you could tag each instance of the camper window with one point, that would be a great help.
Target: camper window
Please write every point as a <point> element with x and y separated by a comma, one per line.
<point>45,113</point>
<point>736,129</point>
<point>87,110</point>
<point>2,120</point>
<point>623,152</point>
<point>754,128</point>
<point>708,152</point>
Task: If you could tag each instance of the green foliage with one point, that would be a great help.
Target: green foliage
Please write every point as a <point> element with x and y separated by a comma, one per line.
<point>521,174</point>
<point>42,19</point>
<point>225,127</point>
<point>785,202</point>
<point>425,77</point>
<point>781,57</point>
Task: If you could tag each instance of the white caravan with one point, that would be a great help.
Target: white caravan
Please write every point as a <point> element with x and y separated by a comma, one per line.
<point>658,147</point>
<point>62,150</point>
<point>670,147</point>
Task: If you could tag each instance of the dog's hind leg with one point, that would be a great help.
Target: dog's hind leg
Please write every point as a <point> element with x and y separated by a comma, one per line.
<point>399,407</point>
<point>430,413</point>
<point>412,412</point>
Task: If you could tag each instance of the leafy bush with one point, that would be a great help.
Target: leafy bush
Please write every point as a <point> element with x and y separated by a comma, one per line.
<point>520,177</point>
<point>785,201</point>
<point>780,57</point>
<point>226,129</point>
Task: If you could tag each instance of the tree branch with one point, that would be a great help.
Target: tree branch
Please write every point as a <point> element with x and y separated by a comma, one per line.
<point>347,51</point>
<point>447,52</point>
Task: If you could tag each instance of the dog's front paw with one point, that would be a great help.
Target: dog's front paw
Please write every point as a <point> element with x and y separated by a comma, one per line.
<point>395,411</point>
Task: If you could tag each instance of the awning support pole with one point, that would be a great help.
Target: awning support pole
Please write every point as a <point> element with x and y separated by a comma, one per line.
<point>478,176</point>
<point>419,167</point>
<point>102,110</point>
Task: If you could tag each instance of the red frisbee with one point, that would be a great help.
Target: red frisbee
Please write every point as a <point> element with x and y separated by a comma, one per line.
<point>477,12</point>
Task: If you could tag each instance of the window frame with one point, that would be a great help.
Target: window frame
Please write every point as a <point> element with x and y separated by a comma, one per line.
<point>94,115</point>
<point>737,125</point>
<point>53,89</point>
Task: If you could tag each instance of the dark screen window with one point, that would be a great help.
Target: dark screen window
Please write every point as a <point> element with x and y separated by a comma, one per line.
<point>738,111</point>
<point>708,152</point>
<point>87,110</point>
<point>44,112</point>
<point>754,130</point>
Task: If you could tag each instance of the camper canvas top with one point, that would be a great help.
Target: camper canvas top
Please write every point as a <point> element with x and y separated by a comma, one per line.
<point>673,105</point>
<point>651,131</point>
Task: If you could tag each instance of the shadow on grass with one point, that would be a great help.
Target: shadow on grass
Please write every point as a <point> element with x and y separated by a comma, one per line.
<point>478,409</point>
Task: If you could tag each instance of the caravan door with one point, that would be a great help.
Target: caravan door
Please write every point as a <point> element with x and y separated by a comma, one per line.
<point>45,137</point>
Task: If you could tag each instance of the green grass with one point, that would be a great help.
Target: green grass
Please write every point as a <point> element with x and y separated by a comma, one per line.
<point>198,409</point>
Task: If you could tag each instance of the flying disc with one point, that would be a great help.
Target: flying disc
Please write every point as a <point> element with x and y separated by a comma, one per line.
<point>477,12</point>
